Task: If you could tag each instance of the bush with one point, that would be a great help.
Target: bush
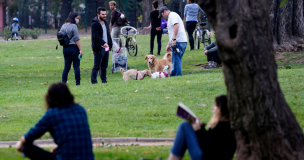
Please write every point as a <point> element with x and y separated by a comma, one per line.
<point>35,33</point>
<point>6,34</point>
<point>24,33</point>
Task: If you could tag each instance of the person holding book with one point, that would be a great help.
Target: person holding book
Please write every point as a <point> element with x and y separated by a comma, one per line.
<point>218,142</point>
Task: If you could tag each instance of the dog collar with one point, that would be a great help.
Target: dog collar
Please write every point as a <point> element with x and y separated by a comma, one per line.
<point>141,73</point>
<point>166,75</point>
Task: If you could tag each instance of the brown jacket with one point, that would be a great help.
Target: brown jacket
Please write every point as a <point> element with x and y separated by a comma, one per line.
<point>114,17</point>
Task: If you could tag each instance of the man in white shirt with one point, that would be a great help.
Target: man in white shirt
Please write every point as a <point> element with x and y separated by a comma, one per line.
<point>177,39</point>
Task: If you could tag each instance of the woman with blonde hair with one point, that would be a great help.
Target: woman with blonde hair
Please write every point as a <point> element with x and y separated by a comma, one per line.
<point>218,142</point>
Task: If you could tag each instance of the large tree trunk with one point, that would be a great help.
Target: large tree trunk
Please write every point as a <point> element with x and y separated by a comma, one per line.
<point>286,19</point>
<point>147,8</point>
<point>264,125</point>
<point>66,8</point>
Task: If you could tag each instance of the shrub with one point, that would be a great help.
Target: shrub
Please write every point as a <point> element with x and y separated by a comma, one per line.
<point>6,34</point>
<point>35,33</point>
<point>24,33</point>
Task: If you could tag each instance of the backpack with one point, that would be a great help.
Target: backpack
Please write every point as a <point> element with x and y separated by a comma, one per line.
<point>122,18</point>
<point>63,38</point>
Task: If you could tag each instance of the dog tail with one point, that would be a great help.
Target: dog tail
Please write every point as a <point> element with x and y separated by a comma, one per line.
<point>168,56</point>
<point>122,71</point>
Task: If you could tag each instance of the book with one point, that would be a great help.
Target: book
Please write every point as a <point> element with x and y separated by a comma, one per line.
<point>185,113</point>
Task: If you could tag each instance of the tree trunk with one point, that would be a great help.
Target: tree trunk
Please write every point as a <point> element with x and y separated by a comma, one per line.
<point>66,8</point>
<point>24,18</point>
<point>264,125</point>
<point>297,19</point>
<point>286,19</point>
<point>147,8</point>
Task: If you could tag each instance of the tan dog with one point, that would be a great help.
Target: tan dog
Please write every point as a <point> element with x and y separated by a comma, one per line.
<point>137,75</point>
<point>157,65</point>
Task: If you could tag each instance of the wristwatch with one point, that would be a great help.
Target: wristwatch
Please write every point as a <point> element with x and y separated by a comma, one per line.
<point>173,39</point>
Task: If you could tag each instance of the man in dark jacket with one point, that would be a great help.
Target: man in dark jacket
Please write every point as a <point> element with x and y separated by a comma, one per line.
<point>212,56</point>
<point>101,45</point>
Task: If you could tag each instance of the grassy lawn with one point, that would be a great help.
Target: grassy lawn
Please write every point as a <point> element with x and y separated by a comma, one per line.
<point>110,153</point>
<point>117,109</point>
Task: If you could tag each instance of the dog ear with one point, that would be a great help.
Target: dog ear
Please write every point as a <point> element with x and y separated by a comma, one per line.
<point>146,57</point>
<point>153,57</point>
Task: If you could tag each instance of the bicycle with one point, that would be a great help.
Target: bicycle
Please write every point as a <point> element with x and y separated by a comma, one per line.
<point>201,35</point>
<point>128,32</point>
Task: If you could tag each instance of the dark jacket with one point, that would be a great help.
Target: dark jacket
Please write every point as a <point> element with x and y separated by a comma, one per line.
<point>97,34</point>
<point>114,17</point>
<point>212,48</point>
<point>218,143</point>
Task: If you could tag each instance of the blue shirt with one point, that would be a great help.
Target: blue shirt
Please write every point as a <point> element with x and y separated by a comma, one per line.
<point>70,130</point>
<point>191,11</point>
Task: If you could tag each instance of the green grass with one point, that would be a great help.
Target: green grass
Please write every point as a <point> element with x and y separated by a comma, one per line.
<point>117,109</point>
<point>110,153</point>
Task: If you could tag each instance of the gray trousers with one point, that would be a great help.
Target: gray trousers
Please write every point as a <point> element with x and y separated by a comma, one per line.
<point>115,32</point>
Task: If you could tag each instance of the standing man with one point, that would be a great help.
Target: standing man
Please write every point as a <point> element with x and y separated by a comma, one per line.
<point>177,39</point>
<point>101,44</point>
<point>190,14</point>
<point>114,17</point>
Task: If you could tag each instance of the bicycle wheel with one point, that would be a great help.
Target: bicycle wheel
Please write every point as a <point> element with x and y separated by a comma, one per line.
<point>131,46</point>
<point>206,39</point>
<point>195,39</point>
<point>199,39</point>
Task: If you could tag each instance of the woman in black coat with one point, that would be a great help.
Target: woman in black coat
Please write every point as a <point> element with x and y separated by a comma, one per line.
<point>216,143</point>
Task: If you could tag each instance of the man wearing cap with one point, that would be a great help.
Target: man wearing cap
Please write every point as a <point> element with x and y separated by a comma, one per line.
<point>177,39</point>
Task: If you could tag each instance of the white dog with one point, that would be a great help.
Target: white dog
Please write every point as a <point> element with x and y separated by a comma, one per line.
<point>161,74</point>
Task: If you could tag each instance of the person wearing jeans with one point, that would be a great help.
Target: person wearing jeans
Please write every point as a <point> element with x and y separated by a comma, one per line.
<point>101,44</point>
<point>190,16</point>
<point>73,49</point>
<point>212,56</point>
<point>218,142</point>
<point>177,39</point>
<point>70,54</point>
<point>177,58</point>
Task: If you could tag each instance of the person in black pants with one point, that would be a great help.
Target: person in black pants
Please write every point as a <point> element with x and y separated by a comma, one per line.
<point>101,40</point>
<point>155,28</point>
<point>212,56</point>
<point>190,16</point>
<point>71,51</point>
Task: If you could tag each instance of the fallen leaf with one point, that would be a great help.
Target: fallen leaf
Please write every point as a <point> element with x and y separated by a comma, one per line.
<point>201,105</point>
<point>42,75</point>
<point>19,81</point>
<point>58,57</point>
<point>88,110</point>
<point>188,81</point>
<point>167,97</point>
<point>23,45</point>
<point>127,150</point>
<point>135,90</point>
<point>96,92</point>
<point>30,81</point>
<point>146,152</point>
<point>41,83</point>
<point>12,65</point>
<point>45,83</point>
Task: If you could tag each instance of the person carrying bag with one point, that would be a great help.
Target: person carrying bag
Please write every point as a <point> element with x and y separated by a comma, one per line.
<point>68,37</point>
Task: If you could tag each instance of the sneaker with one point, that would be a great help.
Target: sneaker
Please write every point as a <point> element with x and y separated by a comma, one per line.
<point>150,53</point>
<point>158,54</point>
<point>104,82</point>
<point>209,67</point>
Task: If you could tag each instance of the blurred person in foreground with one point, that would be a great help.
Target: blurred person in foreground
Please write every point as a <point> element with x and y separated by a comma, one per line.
<point>218,142</point>
<point>67,123</point>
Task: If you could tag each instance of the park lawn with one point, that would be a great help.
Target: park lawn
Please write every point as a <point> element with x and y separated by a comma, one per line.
<point>117,109</point>
<point>108,153</point>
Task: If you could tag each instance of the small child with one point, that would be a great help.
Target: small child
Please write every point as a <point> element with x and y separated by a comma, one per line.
<point>15,28</point>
